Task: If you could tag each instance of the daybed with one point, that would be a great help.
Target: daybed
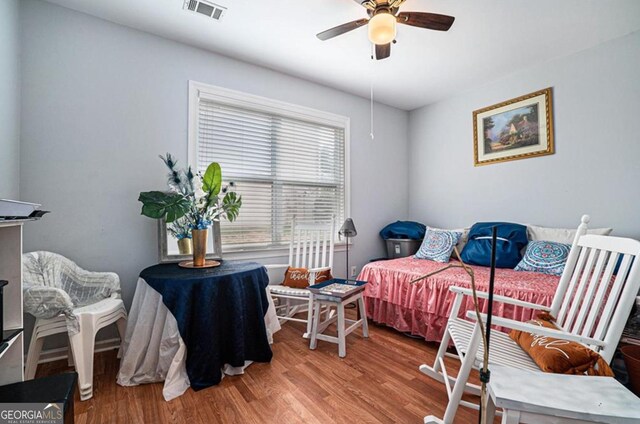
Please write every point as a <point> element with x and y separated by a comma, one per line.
<point>423,308</point>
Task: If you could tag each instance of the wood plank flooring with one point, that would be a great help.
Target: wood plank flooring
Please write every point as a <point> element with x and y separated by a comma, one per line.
<point>378,382</point>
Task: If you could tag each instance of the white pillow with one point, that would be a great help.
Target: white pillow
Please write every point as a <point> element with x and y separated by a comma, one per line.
<point>561,235</point>
<point>463,240</point>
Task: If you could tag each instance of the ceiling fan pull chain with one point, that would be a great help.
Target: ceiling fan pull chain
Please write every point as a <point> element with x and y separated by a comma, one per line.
<point>371,92</point>
<point>371,88</point>
<point>371,133</point>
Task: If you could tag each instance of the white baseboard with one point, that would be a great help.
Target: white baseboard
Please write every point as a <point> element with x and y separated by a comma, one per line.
<point>57,354</point>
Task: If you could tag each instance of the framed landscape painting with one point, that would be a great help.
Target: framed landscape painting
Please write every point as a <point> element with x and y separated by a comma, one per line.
<point>519,128</point>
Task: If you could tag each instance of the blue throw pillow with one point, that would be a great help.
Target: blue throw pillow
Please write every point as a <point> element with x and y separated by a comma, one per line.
<point>403,230</point>
<point>438,245</point>
<point>511,239</point>
<point>619,264</point>
<point>547,257</point>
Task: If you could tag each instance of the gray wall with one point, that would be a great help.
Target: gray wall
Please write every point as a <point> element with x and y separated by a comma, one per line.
<point>9,100</point>
<point>596,167</point>
<point>101,101</point>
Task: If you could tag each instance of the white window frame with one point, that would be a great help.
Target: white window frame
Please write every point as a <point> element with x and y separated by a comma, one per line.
<point>198,90</point>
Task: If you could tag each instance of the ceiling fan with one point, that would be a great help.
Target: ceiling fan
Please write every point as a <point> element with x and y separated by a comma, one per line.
<point>383,16</point>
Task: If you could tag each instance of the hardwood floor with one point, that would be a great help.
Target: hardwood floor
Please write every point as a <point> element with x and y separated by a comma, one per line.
<point>377,382</point>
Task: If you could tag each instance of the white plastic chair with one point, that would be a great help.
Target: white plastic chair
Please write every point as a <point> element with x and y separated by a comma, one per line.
<point>590,308</point>
<point>311,247</point>
<point>64,298</point>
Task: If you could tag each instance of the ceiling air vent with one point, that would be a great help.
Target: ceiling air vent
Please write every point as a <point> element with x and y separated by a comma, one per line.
<point>210,10</point>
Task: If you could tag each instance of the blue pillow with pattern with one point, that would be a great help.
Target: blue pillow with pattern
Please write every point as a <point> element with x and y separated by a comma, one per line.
<point>547,257</point>
<point>438,245</point>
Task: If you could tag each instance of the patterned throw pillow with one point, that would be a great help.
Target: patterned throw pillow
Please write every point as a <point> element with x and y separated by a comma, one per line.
<point>299,277</point>
<point>438,245</point>
<point>547,257</point>
<point>559,356</point>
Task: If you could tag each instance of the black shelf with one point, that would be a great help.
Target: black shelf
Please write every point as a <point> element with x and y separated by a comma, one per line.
<point>53,389</point>
<point>7,335</point>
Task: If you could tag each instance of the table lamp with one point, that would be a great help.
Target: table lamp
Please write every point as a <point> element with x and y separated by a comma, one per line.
<point>347,230</point>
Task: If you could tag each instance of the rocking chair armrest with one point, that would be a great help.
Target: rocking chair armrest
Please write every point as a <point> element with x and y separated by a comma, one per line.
<point>276,273</point>
<point>536,329</point>
<point>502,299</point>
<point>275,266</point>
<point>314,271</point>
<point>317,270</point>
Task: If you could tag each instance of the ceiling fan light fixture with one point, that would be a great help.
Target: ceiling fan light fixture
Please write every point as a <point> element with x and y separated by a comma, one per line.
<point>382,28</point>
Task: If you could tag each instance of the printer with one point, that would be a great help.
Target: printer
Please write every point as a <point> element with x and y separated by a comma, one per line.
<point>14,209</point>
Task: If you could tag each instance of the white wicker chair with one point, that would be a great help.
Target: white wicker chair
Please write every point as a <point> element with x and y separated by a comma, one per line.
<point>65,298</point>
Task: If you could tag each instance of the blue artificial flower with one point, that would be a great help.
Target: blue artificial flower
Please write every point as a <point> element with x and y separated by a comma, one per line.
<point>201,224</point>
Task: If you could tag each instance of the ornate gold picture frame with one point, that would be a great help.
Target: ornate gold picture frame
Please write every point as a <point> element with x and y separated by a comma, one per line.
<point>519,128</point>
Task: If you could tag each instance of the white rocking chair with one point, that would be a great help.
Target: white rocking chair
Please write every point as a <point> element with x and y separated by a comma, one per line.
<point>311,247</point>
<point>589,309</point>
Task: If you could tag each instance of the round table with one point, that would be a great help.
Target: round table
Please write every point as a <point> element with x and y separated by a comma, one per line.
<point>190,326</point>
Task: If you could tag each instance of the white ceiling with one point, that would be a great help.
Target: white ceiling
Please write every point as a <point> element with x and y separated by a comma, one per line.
<point>489,39</point>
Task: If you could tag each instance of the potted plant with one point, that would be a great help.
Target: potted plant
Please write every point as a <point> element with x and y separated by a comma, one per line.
<point>192,203</point>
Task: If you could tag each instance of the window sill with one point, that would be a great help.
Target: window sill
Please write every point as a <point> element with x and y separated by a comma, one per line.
<point>258,254</point>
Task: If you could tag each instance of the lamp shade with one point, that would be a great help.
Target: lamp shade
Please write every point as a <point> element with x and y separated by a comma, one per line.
<point>382,28</point>
<point>348,229</point>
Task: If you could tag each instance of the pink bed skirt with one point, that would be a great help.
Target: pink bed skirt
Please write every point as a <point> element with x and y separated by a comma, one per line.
<point>423,308</point>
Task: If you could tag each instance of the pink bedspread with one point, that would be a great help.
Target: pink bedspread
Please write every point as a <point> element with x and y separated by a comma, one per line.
<point>423,308</point>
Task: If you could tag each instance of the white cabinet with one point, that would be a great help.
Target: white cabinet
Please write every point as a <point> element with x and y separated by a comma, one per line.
<point>12,350</point>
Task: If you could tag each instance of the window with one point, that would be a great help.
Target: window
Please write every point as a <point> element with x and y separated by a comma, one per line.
<point>285,161</point>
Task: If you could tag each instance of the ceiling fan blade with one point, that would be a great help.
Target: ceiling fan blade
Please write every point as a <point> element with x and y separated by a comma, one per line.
<point>426,20</point>
<point>383,51</point>
<point>341,29</point>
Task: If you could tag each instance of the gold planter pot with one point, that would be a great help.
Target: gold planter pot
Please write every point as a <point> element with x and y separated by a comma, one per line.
<point>185,246</point>
<point>199,247</point>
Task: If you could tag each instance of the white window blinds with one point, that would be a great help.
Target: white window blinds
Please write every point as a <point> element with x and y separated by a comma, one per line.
<point>282,166</point>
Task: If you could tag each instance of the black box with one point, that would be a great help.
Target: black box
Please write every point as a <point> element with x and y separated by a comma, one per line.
<point>59,388</point>
<point>2,284</point>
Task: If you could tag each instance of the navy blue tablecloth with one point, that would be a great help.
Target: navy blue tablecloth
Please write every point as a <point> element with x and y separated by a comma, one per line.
<point>220,314</point>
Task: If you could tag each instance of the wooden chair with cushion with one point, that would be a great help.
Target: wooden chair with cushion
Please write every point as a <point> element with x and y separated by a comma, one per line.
<point>311,247</point>
<point>590,308</point>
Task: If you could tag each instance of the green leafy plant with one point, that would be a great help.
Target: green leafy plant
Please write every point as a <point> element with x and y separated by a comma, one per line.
<point>192,198</point>
<point>157,204</point>
<point>231,203</point>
